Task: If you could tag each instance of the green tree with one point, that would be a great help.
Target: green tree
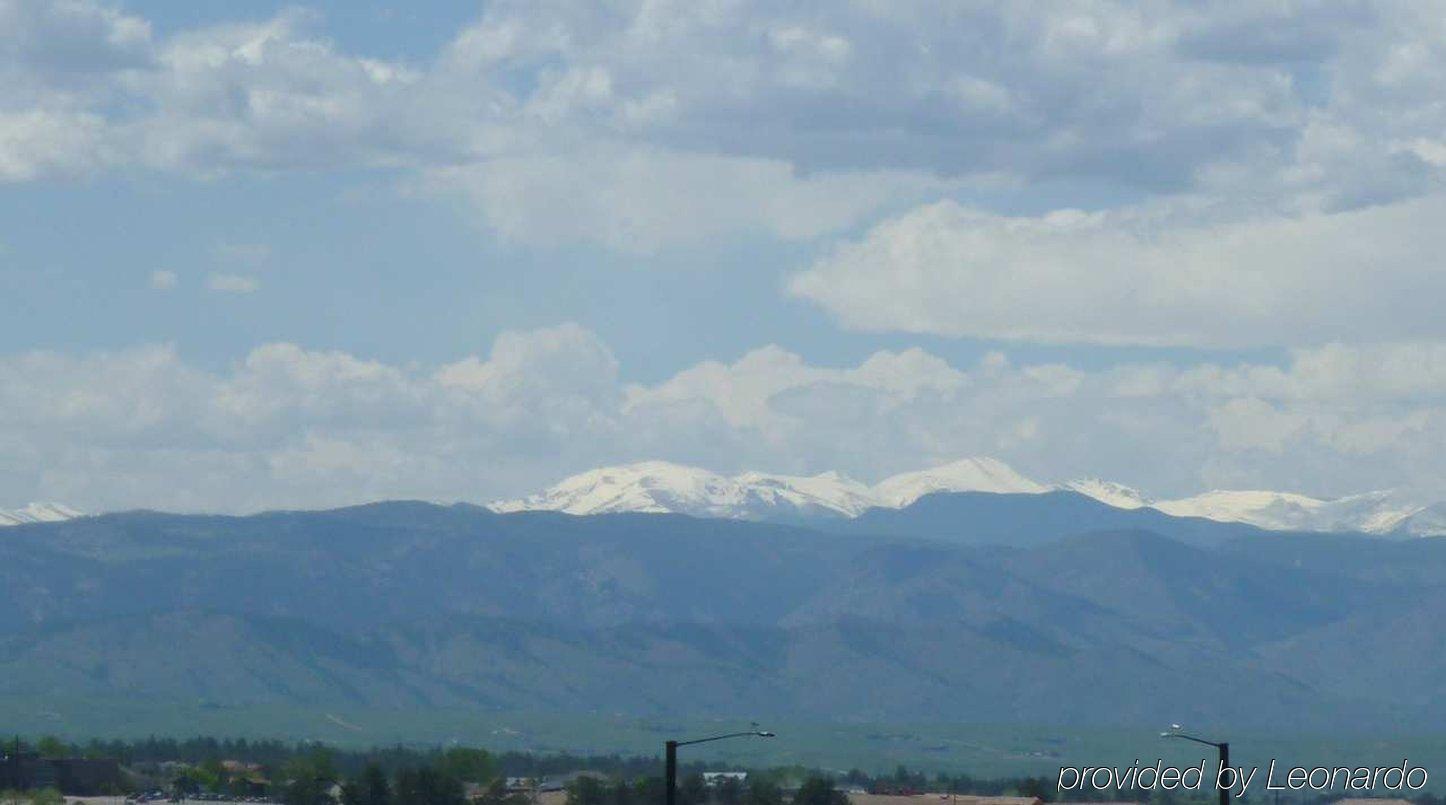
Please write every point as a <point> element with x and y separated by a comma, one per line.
<point>621,794</point>
<point>468,765</point>
<point>819,791</point>
<point>46,796</point>
<point>586,790</point>
<point>371,788</point>
<point>762,791</point>
<point>307,791</point>
<point>692,790</point>
<point>648,791</point>
<point>427,786</point>
<point>51,746</point>
<point>309,778</point>
<point>1037,787</point>
<point>186,783</point>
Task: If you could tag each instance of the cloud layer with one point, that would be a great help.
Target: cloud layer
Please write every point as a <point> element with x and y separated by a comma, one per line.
<point>644,125</point>
<point>288,426</point>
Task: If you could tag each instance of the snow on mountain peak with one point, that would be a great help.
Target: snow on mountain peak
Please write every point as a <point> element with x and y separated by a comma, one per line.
<point>38,513</point>
<point>1114,494</point>
<point>976,474</point>
<point>661,486</point>
<point>1371,512</point>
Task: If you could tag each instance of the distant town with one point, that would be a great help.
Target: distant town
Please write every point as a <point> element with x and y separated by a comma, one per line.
<point>48,771</point>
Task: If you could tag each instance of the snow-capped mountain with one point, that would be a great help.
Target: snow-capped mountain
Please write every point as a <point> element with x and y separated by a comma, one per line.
<point>965,475</point>
<point>38,513</point>
<point>1371,512</point>
<point>660,486</point>
<point>1117,495</point>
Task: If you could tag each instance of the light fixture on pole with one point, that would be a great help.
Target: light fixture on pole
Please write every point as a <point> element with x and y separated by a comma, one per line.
<point>1176,731</point>
<point>671,764</point>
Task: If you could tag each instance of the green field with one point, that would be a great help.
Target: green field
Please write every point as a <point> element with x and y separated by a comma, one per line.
<point>984,750</point>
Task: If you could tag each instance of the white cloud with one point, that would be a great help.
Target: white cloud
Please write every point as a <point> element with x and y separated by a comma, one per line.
<point>162,280</point>
<point>1149,275</point>
<point>645,200</point>
<point>644,125</point>
<point>232,283</point>
<point>287,426</point>
<point>36,143</point>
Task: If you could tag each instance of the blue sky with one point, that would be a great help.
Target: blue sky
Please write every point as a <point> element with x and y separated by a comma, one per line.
<point>303,255</point>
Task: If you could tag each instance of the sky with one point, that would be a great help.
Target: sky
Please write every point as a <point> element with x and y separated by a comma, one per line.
<point>271,255</point>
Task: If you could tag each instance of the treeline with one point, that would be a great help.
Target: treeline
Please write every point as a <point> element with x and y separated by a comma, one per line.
<point>310,773</point>
<point>904,781</point>
<point>274,754</point>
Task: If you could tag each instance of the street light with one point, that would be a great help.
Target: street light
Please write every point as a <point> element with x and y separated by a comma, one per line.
<point>672,756</point>
<point>1223,746</point>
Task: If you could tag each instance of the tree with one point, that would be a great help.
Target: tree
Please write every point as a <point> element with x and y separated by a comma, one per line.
<point>648,791</point>
<point>762,791</point>
<point>622,794</point>
<point>819,791</point>
<point>371,788</point>
<point>468,765</point>
<point>1037,787</point>
<point>46,796</point>
<point>51,746</point>
<point>427,786</point>
<point>309,778</point>
<point>586,790</point>
<point>693,791</point>
<point>307,791</point>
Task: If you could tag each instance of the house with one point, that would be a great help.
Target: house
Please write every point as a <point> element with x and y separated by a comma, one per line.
<point>713,778</point>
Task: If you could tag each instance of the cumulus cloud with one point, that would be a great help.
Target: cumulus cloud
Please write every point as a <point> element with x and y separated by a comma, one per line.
<point>645,125</point>
<point>288,426</point>
<point>1142,276</point>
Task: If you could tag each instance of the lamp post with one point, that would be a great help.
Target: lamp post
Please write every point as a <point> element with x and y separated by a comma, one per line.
<point>1222,746</point>
<point>671,773</point>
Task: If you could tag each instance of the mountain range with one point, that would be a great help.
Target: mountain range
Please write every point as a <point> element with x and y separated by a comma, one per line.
<point>964,593</point>
<point>1047,608</point>
<point>658,486</point>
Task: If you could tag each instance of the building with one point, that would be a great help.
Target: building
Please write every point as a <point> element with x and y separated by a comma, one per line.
<point>713,778</point>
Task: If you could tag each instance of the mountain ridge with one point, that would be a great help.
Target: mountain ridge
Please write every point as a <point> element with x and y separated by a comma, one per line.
<point>659,486</point>
<point>408,604</point>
